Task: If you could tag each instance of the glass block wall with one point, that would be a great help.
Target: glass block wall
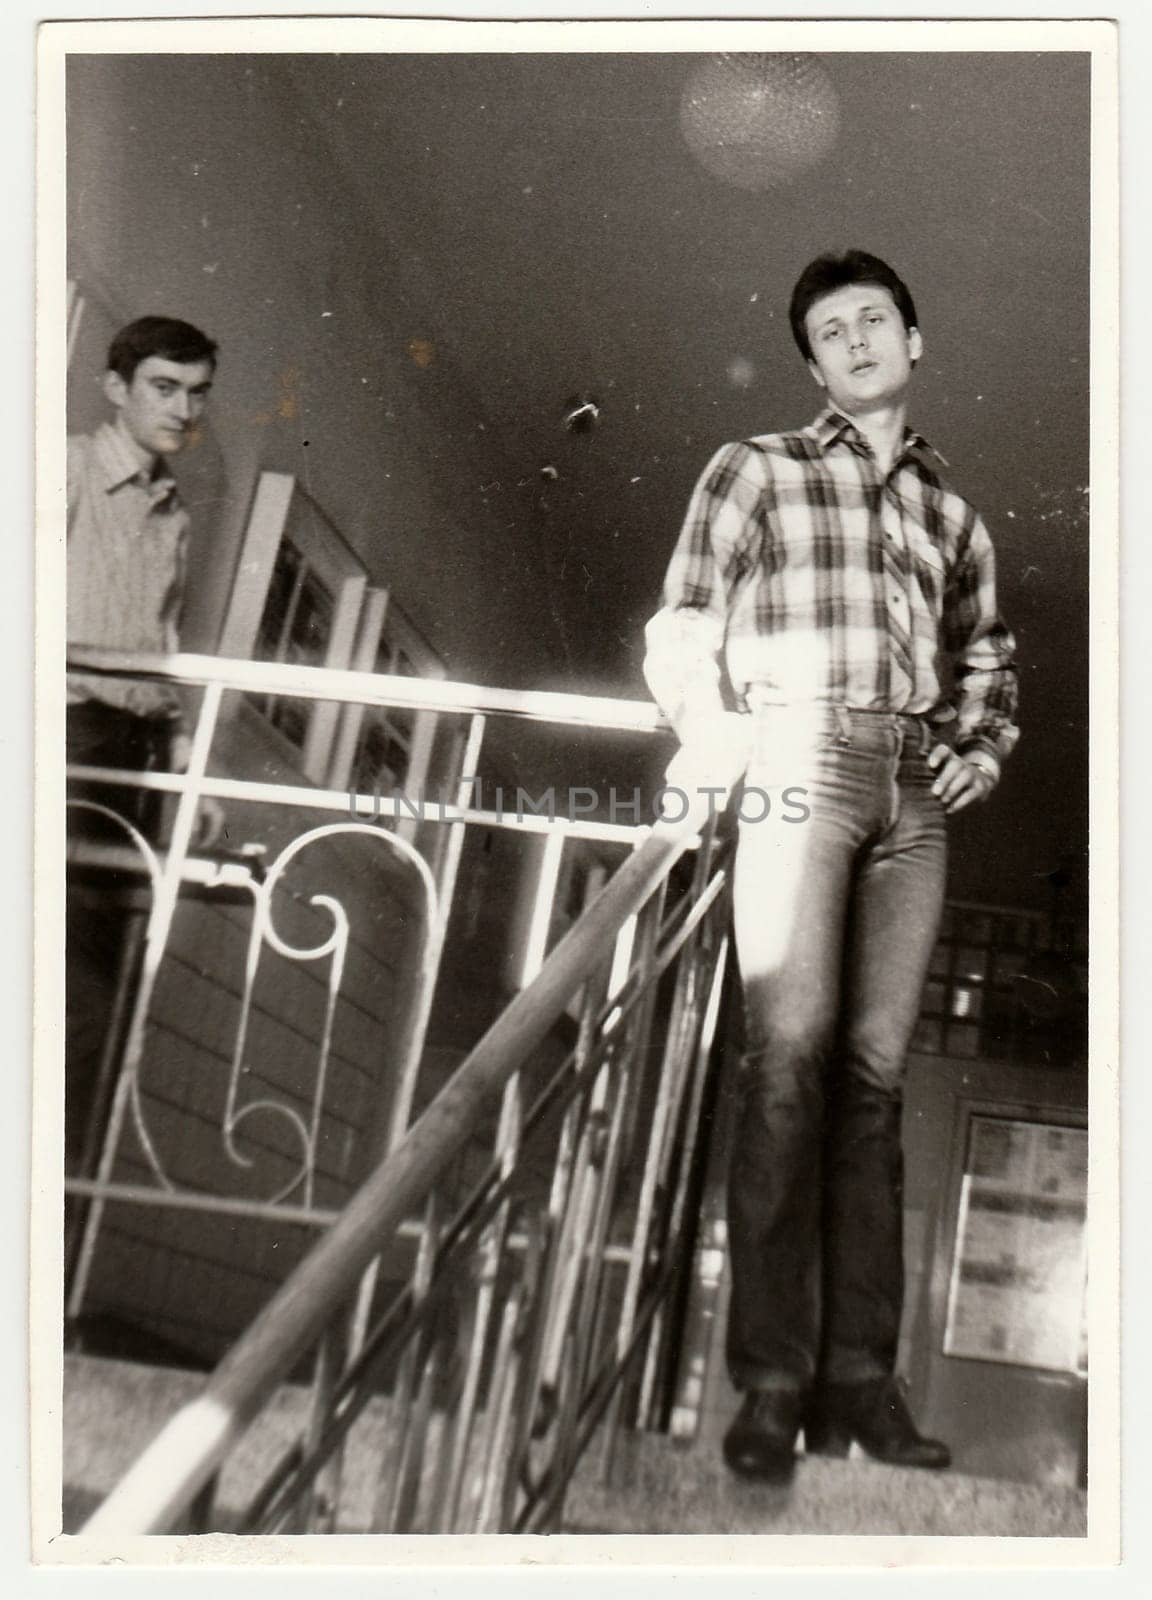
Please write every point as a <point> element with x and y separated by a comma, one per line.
<point>996,988</point>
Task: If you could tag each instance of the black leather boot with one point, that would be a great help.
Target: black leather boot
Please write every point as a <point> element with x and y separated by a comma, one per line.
<point>876,1415</point>
<point>761,1443</point>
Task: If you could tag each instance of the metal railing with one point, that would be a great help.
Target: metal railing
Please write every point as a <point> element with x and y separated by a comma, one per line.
<point>543,1302</point>
<point>247,877</point>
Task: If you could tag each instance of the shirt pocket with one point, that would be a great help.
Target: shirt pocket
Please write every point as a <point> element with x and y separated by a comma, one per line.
<point>927,558</point>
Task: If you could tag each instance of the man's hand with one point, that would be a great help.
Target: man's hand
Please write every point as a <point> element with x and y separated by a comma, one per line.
<point>713,754</point>
<point>959,781</point>
<point>210,821</point>
<point>210,817</point>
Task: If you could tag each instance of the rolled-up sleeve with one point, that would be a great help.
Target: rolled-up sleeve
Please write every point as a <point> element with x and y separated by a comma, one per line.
<point>983,653</point>
<point>685,638</point>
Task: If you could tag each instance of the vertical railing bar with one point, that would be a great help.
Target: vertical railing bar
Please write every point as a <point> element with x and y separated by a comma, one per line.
<point>643,978</point>
<point>485,1439</point>
<point>392,1477</point>
<point>567,1268</point>
<point>703,1053</point>
<point>677,1055</point>
<point>679,1218</point>
<point>417,1426</point>
<point>565,1271</point>
<point>591,1303</point>
<point>499,1486</point>
<point>444,1426</point>
<point>507,1144</point>
<point>688,1018</point>
<point>414,1044</point>
<point>668,1095</point>
<point>653,1349</point>
<point>553,1235</point>
<point>450,864</point>
<point>623,1063</point>
<point>402,1409</point>
<point>544,902</point>
<point>567,1143</point>
<point>492,1430</point>
<point>594,1100</point>
<point>490,1248</point>
<point>189,800</point>
<point>483,1306</point>
<point>319,1414</point>
<point>704,1049</point>
<point>675,1078</point>
<point>165,892</point>
<point>386,1495</point>
<point>413,1053</point>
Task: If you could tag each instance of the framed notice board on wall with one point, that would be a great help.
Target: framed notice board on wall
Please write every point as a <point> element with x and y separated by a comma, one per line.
<point>998,1354</point>
<point>1019,1267</point>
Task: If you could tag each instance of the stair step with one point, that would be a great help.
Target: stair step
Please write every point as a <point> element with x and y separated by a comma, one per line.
<point>112,1409</point>
<point>663,1486</point>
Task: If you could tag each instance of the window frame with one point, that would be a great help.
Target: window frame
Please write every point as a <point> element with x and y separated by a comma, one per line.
<point>363,614</point>
<point>382,618</point>
<point>325,551</point>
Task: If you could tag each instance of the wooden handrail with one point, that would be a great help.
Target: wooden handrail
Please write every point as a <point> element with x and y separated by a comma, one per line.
<point>192,1446</point>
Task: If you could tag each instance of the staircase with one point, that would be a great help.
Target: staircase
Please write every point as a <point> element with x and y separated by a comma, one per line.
<point>658,1486</point>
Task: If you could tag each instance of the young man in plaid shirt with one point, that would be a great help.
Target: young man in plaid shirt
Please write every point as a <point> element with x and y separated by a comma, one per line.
<point>847,594</point>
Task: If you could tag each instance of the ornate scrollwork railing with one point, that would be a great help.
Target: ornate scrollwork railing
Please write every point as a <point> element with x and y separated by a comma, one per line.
<point>541,1302</point>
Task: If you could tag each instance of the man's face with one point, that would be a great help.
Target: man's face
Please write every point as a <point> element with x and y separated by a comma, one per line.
<point>862,354</point>
<point>161,404</point>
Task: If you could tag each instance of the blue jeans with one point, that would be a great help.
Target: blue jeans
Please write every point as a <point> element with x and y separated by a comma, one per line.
<point>836,915</point>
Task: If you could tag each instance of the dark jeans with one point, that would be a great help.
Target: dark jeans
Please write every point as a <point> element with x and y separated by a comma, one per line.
<point>836,917</point>
<point>101,735</point>
<point>99,951</point>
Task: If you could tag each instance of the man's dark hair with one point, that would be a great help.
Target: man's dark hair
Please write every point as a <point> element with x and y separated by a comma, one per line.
<point>167,337</point>
<point>831,272</point>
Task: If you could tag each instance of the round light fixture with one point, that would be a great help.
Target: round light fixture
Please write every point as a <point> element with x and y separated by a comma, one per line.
<point>757,121</point>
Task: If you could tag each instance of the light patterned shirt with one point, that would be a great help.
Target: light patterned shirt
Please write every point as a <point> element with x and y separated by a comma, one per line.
<point>816,579</point>
<point>127,533</point>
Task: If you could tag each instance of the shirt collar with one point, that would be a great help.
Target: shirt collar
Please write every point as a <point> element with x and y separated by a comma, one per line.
<point>121,462</point>
<point>831,426</point>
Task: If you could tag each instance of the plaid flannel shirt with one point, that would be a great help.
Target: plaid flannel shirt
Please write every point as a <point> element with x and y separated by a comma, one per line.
<point>799,565</point>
